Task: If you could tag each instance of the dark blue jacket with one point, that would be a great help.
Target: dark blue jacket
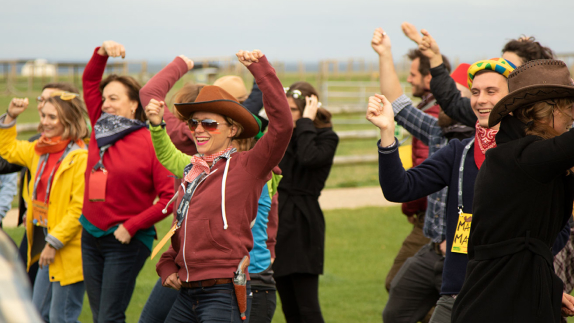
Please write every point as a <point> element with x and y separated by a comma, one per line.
<point>439,170</point>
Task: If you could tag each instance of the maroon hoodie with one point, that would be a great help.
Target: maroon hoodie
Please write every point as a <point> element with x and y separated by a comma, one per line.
<point>202,249</point>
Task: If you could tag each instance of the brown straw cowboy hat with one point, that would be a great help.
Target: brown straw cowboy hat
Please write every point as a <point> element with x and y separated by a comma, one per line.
<point>534,81</point>
<point>216,100</point>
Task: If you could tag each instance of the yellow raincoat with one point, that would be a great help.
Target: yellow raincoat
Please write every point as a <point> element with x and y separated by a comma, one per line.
<point>64,209</point>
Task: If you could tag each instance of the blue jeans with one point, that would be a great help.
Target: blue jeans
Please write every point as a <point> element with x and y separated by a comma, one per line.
<point>110,272</point>
<point>158,304</point>
<point>210,304</point>
<point>57,303</point>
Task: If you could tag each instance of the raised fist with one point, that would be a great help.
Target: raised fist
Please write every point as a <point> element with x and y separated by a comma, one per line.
<point>154,112</point>
<point>17,106</point>
<point>247,58</point>
<point>112,49</point>
<point>380,112</point>
<point>187,61</point>
<point>381,42</point>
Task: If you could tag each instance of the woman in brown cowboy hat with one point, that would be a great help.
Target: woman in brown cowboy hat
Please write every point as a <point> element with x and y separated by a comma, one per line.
<point>523,198</point>
<point>220,191</point>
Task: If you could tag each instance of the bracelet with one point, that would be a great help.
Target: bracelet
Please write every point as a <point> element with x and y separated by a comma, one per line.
<point>11,116</point>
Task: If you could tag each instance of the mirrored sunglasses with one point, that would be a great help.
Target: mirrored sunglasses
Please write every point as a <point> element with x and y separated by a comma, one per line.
<point>207,124</point>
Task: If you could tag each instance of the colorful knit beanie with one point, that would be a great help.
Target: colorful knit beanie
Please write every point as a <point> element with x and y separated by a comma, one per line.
<point>499,65</point>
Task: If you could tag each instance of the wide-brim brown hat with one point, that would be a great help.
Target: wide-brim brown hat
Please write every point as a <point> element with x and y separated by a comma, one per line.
<point>535,81</point>
<point>216,100</point>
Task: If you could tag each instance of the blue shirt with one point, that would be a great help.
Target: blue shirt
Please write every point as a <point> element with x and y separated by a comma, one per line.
<point>8,189</point>
<point>260,256</point>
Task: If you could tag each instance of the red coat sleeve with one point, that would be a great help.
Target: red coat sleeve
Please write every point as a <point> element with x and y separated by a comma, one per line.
<point>157,88</point>
<point>91,80</point>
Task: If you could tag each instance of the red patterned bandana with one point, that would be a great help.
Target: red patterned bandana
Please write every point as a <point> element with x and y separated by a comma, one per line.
<point>484,140</point>
<point>200,164</point>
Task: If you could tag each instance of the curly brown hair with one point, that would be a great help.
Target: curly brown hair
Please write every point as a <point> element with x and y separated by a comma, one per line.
<point>528,49</point>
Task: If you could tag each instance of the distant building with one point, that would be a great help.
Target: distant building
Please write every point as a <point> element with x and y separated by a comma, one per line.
<point>38,67</point>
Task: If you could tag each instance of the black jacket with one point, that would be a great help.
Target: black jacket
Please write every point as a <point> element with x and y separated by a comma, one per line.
<point>306,166</point>
<point>444,89</point>
<point>522,199</point>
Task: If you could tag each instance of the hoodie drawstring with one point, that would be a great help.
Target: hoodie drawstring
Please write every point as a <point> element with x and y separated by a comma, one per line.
<point>223,182</point>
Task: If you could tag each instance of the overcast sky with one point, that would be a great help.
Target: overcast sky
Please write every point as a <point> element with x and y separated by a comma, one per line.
<point>158,30</point>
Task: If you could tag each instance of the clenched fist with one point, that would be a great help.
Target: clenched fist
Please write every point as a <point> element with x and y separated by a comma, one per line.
<point>247,58</point>
<point>16,107</point>
<point>112,49</point>
<point>381,42</point>
<point>380,113</point>
<point>154,112</point>
<point>187,61</point>
<point>173,281</point>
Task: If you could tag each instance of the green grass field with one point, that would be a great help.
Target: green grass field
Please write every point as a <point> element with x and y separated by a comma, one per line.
<point>360,247</point>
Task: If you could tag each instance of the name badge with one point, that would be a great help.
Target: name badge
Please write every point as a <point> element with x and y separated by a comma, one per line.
<point>460,242</point>
<point>97,185</point>
<point>40,213</point>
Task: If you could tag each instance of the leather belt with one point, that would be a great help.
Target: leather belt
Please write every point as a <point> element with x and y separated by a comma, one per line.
<point>206,283</point>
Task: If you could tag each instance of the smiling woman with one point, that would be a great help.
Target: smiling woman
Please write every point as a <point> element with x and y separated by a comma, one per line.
<point>57,163</point>
<point>124,179</point>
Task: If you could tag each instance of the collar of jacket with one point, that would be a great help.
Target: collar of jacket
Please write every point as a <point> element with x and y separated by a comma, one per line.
<point>510,129</point>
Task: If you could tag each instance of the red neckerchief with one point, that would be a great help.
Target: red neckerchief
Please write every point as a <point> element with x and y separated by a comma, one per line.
<point>484,139</point>
<point>200,164</point>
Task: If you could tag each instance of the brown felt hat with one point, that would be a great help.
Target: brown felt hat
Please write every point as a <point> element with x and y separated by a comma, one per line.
<point>535,81</point>
<point>216,100</point>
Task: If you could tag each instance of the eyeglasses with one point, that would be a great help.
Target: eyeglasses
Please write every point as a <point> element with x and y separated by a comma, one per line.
<point>66,96</point>
<point>207,124</point>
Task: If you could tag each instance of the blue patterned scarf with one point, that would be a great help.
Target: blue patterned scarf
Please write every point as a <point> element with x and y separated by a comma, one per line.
<point>110,128</point>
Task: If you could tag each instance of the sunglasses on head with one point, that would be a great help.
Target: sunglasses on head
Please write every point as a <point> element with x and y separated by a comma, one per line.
<point>296,94</point>
<point>63,95</point>
<point>207,124</point>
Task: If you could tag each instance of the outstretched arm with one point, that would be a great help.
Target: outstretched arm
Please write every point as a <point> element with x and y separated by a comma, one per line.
<point>443,86</point>
<point>270,149</point>
<point>397,184</point>
<point>92,76</point>
<point>390,83</point>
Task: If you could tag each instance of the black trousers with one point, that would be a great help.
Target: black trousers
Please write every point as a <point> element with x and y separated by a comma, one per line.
<point>299,295</point>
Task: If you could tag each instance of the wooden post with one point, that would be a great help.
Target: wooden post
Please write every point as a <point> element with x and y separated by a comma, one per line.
<point>31,78</point>
<point>301,68</point>
<point>125,70</point>
<point>350,63</point>
<point>55,77</point>
<point>335,67</point>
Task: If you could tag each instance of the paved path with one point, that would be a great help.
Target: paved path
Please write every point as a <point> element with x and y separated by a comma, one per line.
<point>339,198</point>
<point>335,198</point>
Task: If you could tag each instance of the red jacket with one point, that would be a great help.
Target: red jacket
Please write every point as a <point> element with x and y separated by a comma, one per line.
<point>135,176</point>
<point>202,248</point>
